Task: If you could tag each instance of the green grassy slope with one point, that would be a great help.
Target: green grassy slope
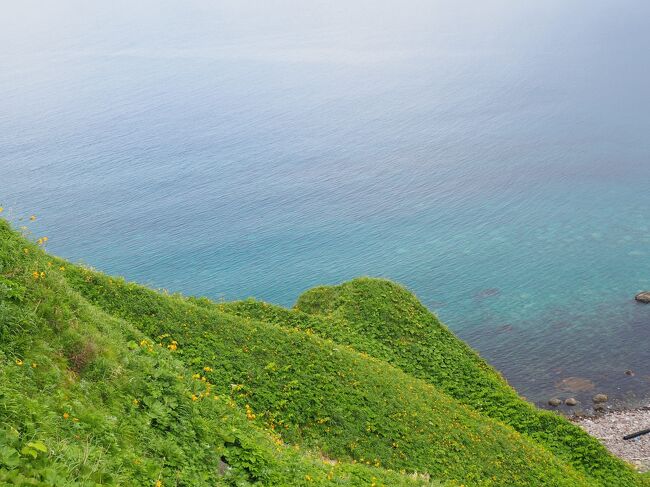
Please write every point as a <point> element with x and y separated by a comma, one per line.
<point>322,396</point>
<point>87,399</point>
<point>132,386</point>
<point>383,319</point>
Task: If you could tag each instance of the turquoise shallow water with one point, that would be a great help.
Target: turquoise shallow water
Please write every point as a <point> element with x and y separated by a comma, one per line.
<point>492,158</point>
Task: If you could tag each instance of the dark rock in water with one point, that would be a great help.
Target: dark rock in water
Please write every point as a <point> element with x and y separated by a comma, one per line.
<point>505,328</point>
<point>554,402</point>
<point>571,401</point>
<point>643,297</point>
<point>598,398</point>
<point>486,293</point>
<point>629,373</point>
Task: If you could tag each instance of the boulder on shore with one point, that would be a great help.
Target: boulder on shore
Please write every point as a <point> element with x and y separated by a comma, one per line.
<point>643,297</point>
<point>571,401</point>
<point>554,402</point>
<point>599,398</point>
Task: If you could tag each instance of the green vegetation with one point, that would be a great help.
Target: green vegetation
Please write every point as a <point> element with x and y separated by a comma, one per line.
<point>104,382</point>
<point>382,319</point>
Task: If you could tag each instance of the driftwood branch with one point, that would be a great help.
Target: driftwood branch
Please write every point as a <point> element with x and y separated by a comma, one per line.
<point>638,433</point>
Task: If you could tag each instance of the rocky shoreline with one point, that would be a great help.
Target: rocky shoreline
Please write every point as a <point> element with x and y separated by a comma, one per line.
<point>610,427</point>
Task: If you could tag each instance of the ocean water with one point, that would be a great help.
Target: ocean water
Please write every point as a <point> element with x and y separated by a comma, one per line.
<point>494,157</point>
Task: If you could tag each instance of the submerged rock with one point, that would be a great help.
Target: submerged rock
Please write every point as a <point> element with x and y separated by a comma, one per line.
<point>571,401</point>
<point>554,402</point>
<point>629,373</point>
<point>575,384</point>
<point>487,293</point>
<point>643,297</point>
<point>598,398</point>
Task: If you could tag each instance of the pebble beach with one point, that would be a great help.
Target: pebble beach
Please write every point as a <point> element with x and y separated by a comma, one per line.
<point>611,427</point>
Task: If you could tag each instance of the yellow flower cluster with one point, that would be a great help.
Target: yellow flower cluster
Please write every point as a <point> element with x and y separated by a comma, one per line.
<point>20,363</point>
<point>38,275</point>
<point>172,345</point>
<point>208,388</point>
<point>42,241</point>
<point>249,413</point>
<point>145,343</point>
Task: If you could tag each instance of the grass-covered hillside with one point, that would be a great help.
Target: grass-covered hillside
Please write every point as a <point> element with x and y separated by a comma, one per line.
<point>384,320</point>
<point>105,382</point>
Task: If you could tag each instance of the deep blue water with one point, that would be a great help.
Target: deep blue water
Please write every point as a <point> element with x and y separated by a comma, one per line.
<point>492,156</point>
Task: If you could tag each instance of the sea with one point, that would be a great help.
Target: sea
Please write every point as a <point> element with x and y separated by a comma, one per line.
<point>493,157</point>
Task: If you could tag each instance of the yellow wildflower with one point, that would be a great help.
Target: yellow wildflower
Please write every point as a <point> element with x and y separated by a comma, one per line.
<point>61,268</point>
<point>19,362</point>
<point>26,250</point>
<point>195,397</point>
<point>172,346</point>
<point>66,415</point>
<point>35,275</point>
<point>158,483</point>
<point>34,365</point>
<point>42,275</point>
<point>207,369</point>
<point>136,402</point>
<point>249,413</point>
